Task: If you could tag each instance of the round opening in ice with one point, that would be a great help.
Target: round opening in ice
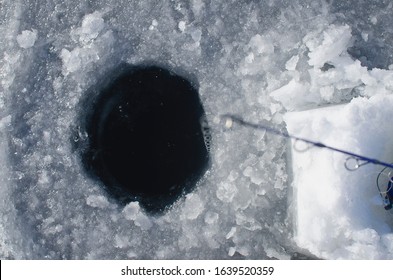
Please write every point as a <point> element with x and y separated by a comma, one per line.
<point>146,136</point>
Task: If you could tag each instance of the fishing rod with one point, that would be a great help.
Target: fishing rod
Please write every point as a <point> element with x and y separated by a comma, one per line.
<point>359,159</point>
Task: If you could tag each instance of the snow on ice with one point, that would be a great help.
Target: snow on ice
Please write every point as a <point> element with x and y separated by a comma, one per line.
<point>256,59</point>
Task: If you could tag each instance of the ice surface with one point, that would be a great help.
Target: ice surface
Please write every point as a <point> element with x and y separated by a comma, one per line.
<point>257,59</point>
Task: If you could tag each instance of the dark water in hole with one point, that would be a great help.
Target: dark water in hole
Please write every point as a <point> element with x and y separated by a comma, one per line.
<point>145,137</point>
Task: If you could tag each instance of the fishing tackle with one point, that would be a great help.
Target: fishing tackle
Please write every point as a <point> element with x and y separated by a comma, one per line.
<point>359,160</point>
<point>352,163</point>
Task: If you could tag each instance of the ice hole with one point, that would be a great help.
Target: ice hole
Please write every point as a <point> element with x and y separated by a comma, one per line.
<point>146,137</point>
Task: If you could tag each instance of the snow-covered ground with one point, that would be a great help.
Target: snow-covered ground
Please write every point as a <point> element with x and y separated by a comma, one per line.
<point>257,59</point>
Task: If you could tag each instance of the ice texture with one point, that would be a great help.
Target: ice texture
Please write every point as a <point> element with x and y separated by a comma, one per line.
<point>27,38</point>
<point>97,201</point>
<point>257,59</point>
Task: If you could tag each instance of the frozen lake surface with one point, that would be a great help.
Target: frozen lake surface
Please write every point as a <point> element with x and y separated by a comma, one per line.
<point>257,59</point>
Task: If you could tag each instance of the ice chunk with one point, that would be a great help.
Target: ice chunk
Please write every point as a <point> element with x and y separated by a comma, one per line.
<point>153,25</point>
<point>293,94</point>
<point>243,250</point>
<point>291,63</point>
<point>243,197</point>
<point>231,233</point>
<point>27,38</point>
<point>97,201</point>
<point>143,221</point>
<point>211,218</point>
<point>333,75</point>
<point>193,206</point>
<point>93,47</point>
<point>231,251</point>
<point>84,56</point>
<point>336,40</point>
<point>182,25</point>
<point>196,35</point>
<point>71,60</point>
<point>92,25</point>
<point>226,192</point>
<point>131,210</point>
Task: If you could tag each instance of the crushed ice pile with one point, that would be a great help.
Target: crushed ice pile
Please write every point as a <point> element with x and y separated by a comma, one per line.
<point>257,59</point>
<point>339,214</point>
